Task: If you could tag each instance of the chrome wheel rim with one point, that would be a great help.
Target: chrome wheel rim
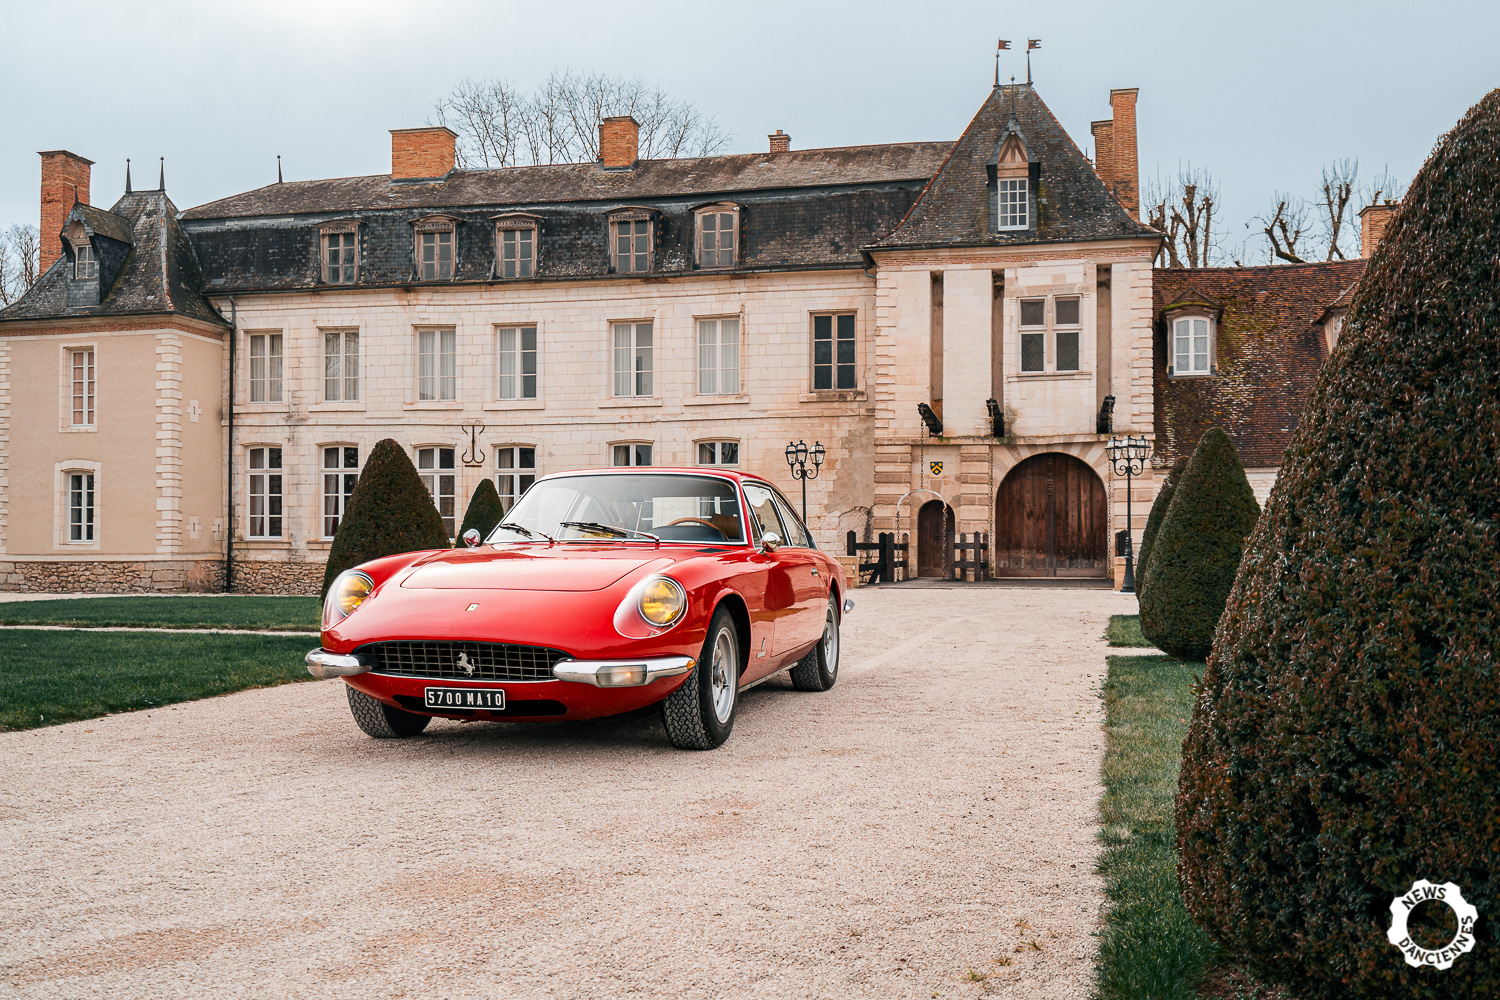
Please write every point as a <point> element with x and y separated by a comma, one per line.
<point>831,642</point>
<point>724,675</point>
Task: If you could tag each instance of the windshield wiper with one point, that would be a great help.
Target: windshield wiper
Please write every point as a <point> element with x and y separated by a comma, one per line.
<point>526,531</point>
<point>612,529</point>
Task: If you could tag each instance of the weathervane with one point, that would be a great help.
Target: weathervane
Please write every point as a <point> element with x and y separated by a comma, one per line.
<point>1031,43</point>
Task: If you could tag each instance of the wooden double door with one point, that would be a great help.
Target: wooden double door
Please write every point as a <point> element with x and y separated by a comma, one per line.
<point>1051,520</point>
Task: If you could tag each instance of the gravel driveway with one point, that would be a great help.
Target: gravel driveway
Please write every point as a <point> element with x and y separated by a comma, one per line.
<point>932,814</point>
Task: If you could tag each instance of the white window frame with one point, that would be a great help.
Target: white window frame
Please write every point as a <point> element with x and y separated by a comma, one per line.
<point>1199,362</point>
<point>711,454</point>
<point>430,467</point>
<point>81,504</point>
<point>265,492</point>
<point>264,370</point>
<point>513,477</point>
<point>1012,203</point>
<point>339,480</point>
<point>720,354</point>
<point>628,378</point>
<point>522,233</point>
<point>62,511</point>
<point>83,387</point>
<point>437,368</point>
<point>341,365</point>
<point>717,256</point>
<point>436,269</point>
<point>85,264</point>
<point>835,338</point>
<point>345,269</point>
<point>515,362</point>
<point>641,237</point>
<point>632,454</point>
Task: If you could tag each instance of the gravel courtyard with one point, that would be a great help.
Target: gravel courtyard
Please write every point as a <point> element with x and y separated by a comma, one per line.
<point>931,814</point>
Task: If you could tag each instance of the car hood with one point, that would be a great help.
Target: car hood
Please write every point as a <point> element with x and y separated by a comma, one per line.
<point>535,567</point>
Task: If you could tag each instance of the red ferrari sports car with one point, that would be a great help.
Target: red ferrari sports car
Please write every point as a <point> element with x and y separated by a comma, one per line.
<point>602,592</point>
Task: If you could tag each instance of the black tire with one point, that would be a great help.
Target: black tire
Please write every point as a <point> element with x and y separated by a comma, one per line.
<point>382,721</point>
<point>695,714</point>
<point>819,669</point>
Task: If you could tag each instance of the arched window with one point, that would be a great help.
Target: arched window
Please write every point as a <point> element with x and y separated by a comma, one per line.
<point>1192,346</point>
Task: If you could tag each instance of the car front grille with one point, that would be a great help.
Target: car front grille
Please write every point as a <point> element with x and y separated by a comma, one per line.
<point>490,661</point>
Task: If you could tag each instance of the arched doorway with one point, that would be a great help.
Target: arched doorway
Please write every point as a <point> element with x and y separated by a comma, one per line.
<point>1051,520</point>
<point>935,539</point>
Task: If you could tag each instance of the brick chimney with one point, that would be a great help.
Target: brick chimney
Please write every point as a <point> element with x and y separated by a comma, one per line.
<point>780,142</point>
<point>422,153</point>
<point>1372,222</point>
<point>1104,144</point>
<point>65,179</point>
<point>1122,156</point>
<point>619,142</point>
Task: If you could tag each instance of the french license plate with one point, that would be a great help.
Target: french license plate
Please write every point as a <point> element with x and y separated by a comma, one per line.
<point>448,697</point>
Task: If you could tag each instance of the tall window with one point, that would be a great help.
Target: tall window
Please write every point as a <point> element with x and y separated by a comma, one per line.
<point>630,454</point>
<point>265,368</point>
<point>435,254</point>
<point>517,253</point>
<point>437,364</point>
<point>716,239</point>
<point>340,473</point>
<point>1067,333</point>
<point>833,352</point>
<point>1033,335</point>
<point>83,388</point>
<point>718,356</point>
<point>631,245</point>
<point>723,453</point>
<point>341,365</point>
<point>265,493</point>
<point>85,265</point>
<point>516,354</point>
<point>633,359</point>
<point>1190,346</point>
<point>80,506</point>
<point>435,466</point>
<point>1012,209</point>
<point>515,471</point>
<point>340,258</point>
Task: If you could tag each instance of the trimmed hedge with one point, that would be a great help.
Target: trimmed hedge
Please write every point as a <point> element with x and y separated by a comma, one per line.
<point>1156,517</point>
<point>1196,552</point>
<point>389,512</point>
<point>485,511</point>
<point>1343,743</point>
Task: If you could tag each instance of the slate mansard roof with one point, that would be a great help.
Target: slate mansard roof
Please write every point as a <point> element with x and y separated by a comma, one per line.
<point>1071,201</point>
<point>1269,349</point>
<point>147,267</point>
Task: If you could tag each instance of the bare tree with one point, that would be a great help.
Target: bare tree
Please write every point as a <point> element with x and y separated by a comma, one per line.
<point>500,126</point>
<point>1183,209</point>
<point>1286,229</point>
<point>1335,210</point>
<point>19,251</point>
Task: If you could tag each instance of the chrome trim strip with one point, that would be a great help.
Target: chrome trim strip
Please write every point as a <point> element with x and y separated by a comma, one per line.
<point>321,663</point>
<point>587,671</point>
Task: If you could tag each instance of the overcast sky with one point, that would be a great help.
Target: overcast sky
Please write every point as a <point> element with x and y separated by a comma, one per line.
<point>1261,94</point>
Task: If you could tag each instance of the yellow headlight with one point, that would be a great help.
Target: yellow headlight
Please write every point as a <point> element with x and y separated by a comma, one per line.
<point>663,601</point>
<point>353,589</point>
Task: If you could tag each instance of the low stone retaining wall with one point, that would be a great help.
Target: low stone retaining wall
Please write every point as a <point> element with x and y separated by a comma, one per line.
<point>105,576</point>
<point>254,576</point>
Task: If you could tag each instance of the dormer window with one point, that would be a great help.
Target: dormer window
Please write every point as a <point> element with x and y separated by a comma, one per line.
<point>1014,198</point>
<point>85,266</point>
<point>630,236</point>
<point>340,254</point>
<point>515,247</point>
<point>435,249</point>
<point>1011,180</point>
<point>718,236</point>
<point>1192,346</point>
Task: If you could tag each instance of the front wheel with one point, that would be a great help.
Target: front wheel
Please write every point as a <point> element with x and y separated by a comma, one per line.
<point>820,667</point>
<point>700,713</point>
<point>382,721</point>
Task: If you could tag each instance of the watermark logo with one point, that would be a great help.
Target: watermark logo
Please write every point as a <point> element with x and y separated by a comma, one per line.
<point>1423,891</point>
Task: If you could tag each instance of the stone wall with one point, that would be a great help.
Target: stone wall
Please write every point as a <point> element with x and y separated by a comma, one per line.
<point>113,576</point>
<point>256,576</point>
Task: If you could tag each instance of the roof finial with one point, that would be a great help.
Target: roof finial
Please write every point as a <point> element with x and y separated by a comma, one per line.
<point>1031,43</point>
<point>1004,44</point>
<point>127,175</point>
<point>278,169</point>
<point>161,184</point>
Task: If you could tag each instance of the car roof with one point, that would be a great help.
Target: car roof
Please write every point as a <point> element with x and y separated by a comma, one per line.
<point>664,470</point>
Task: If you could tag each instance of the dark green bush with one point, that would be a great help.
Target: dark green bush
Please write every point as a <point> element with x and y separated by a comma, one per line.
<point>1196,551</point>
<point>1343,743</point>
<point>1155,518</point>
<point>485,511</point>
<point>390,511</point>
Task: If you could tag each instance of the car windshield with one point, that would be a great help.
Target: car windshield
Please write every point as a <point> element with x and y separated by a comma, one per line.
<point>640,508</point>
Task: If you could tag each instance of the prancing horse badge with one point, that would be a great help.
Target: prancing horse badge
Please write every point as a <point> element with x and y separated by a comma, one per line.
<point>936,467</point>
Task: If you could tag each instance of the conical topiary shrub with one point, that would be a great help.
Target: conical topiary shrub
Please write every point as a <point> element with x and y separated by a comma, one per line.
<point>1343,742</point>
<point>485,511</point>
<point>1196,551</point>
<point>390,511</point>
<point>1156,517</point>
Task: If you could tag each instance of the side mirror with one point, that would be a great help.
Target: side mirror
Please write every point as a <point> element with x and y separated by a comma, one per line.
<point>770,542</point>
<point>472,538</point>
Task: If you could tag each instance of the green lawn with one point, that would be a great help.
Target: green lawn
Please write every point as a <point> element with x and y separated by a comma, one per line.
<point>51,677</point>
<point>1125,630</point>
<point>281,614</point>
<point>1150,949</point>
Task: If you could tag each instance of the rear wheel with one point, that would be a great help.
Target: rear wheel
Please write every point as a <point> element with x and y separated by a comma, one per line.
<point>820,667</point>
<point>700,713</point>
<point>382,721</point>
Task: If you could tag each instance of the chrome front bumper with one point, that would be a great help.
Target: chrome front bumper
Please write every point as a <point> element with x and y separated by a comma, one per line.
<point>621,673</point>
<point>321,663</point>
